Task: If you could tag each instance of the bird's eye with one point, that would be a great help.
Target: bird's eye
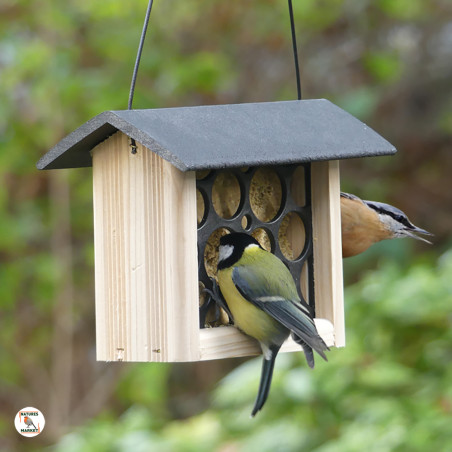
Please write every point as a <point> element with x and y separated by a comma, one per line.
<point>403,220</point>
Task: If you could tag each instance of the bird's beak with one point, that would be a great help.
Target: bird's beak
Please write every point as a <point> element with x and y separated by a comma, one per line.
<point>414,234</point>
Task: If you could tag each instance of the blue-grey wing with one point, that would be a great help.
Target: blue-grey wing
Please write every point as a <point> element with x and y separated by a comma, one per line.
<point>291,313</point>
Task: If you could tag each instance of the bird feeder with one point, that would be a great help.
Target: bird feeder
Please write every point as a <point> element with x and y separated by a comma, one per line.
<point>167,183</point>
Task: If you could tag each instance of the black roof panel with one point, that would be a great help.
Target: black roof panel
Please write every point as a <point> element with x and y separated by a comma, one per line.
<point>221,136</point>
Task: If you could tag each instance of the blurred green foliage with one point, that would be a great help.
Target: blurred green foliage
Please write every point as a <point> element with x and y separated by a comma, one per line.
<point>388,390</point>
<point>387,62</point>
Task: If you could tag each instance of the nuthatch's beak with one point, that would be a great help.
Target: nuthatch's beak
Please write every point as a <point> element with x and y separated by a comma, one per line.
<point>414,232</point>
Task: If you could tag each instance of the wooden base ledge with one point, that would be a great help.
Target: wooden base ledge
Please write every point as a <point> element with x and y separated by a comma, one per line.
<point>229,342</point>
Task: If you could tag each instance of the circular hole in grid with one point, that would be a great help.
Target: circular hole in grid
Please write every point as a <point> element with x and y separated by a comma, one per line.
<point>291,236</point>
<point>202,174</point>
<point>265,194</point>
<point>298,186</point>
<point>200,207</point>
<point>211,251</point>
<point>263,237</point>
<point>246,222</point>
<point>226,194</point>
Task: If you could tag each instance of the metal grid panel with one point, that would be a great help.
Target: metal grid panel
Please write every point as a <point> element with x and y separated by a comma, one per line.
<point>211,221</point>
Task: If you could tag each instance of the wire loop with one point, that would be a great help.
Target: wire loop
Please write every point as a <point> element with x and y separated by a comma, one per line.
<point>143,36</point>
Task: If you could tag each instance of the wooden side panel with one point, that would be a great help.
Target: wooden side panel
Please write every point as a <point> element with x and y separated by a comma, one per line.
<point>145,255</point>
<point>328,279</point>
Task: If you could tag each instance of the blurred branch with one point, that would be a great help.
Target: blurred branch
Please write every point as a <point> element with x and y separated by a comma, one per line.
<point>99,394</point>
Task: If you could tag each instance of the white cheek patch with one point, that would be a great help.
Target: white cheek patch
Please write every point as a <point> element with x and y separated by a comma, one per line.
<point>391,224</point>
<point>225,252</point>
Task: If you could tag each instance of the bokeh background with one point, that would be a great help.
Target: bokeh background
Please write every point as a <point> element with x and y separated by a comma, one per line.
<point>388,62</point>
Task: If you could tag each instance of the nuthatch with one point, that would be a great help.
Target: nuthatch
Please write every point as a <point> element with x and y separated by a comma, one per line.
<point>367,222</point>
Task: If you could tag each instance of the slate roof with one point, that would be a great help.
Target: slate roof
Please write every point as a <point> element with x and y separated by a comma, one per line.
<point>222,136</point>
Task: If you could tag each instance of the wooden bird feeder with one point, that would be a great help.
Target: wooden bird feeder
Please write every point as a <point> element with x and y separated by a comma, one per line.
<point>168,183</point>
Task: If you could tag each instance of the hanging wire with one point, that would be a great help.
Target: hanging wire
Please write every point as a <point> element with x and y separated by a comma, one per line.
<point>140,49</point>
<point>295,51</point>
<point>143,36</point>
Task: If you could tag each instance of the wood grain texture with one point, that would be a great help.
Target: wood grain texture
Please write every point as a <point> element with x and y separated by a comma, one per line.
<point>145,219</point>
<point>328,278</point>
<point>229,342</point>
<point>145,256</point>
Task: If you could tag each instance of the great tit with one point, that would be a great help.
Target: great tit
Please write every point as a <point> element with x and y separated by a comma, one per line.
<point>263,299</point>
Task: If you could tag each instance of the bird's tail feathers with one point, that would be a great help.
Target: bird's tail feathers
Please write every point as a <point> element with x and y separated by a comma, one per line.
<point>265,382</point>
<point>315,343</point>
<point>309,354</point>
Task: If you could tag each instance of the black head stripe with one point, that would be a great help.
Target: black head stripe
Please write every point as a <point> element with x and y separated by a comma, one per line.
<point>238,241</point>
<point>393,212</point>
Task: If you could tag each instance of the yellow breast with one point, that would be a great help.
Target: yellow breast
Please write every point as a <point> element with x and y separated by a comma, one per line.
<point>247,317</point>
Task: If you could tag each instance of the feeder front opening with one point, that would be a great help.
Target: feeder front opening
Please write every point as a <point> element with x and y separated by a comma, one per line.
<point>273,204</point>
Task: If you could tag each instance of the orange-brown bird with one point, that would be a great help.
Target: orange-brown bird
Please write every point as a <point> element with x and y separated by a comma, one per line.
<point>29,422</point>
<point>367,222</point>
